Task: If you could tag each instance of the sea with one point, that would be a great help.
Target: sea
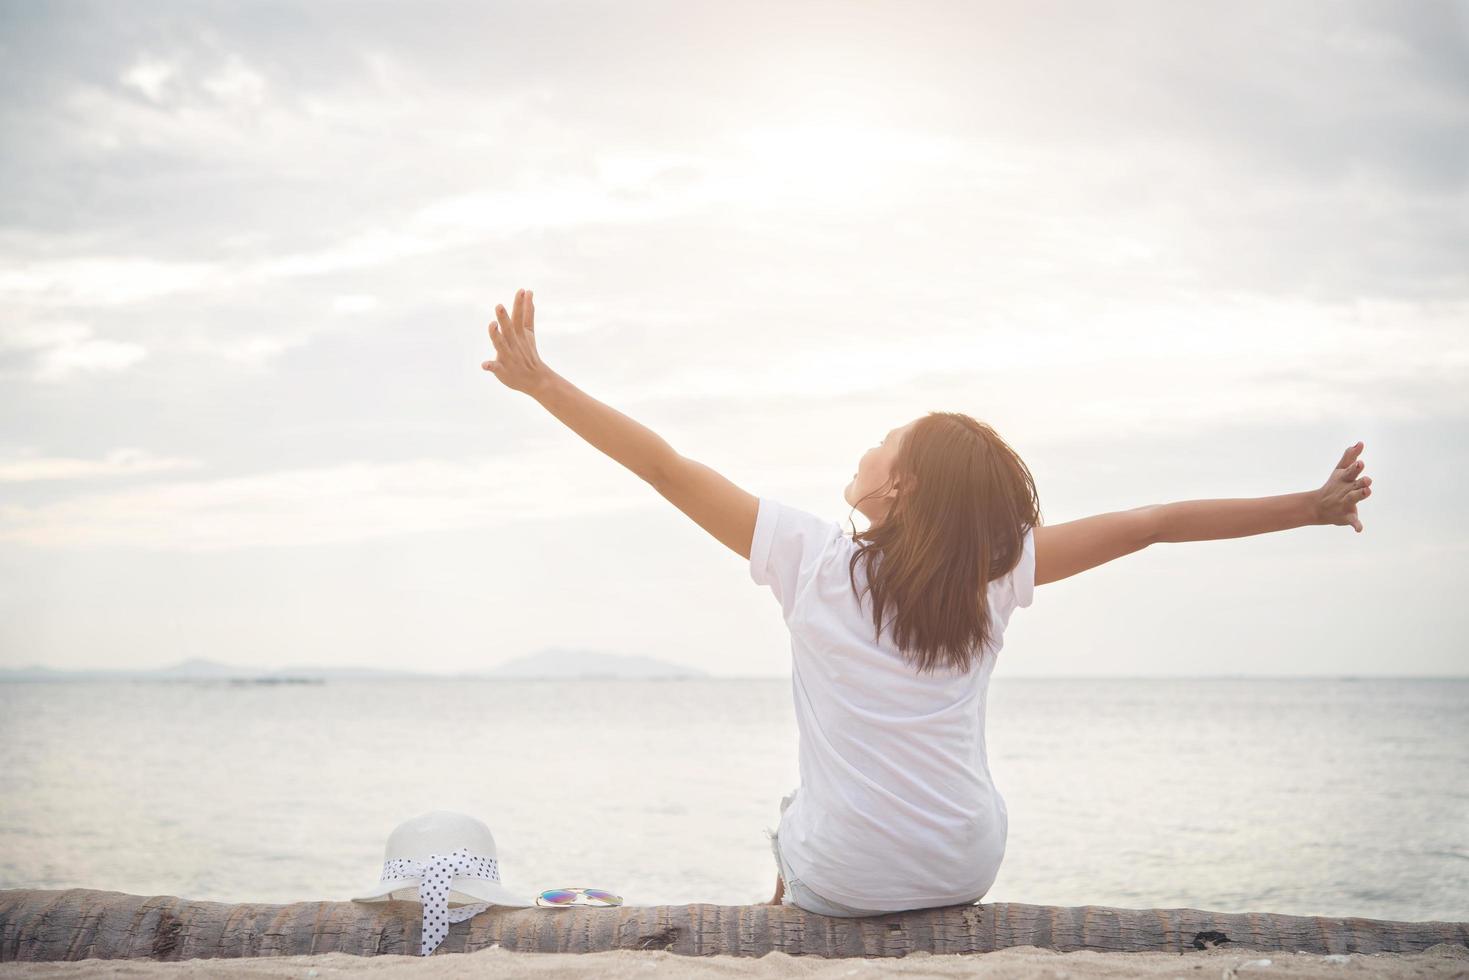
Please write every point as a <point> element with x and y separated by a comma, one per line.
<point>1337,797</point>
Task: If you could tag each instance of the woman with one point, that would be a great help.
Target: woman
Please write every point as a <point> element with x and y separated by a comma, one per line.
<point>896,809</point>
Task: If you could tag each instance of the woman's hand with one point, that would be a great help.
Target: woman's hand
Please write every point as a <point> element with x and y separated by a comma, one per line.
<point>1336,501</point>
<point>517,363</point>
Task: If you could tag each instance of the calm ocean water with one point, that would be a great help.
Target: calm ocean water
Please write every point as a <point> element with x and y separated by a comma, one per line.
<point>1330,797</point>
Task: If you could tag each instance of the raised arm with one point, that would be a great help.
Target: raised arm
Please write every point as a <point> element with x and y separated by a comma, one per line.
<point>1335,502</point>
<point>713,502</point>
<point>1063,550</point>
<point>518,365</point>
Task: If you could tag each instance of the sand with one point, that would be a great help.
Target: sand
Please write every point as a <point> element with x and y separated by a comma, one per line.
<point>1442,960</point>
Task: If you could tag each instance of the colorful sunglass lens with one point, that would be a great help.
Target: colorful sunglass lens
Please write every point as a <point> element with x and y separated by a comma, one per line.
<point>558,896</point>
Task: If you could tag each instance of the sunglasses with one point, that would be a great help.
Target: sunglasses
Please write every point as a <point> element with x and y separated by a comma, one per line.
<point>554,897</point>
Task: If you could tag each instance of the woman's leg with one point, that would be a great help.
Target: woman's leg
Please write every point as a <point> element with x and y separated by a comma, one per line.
<point>780,884</point>
<point>780,890</point>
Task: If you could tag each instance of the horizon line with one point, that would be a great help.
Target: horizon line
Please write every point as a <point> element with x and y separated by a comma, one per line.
<point>489,676</point>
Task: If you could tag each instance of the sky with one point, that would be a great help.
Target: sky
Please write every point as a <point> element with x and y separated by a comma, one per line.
<point>249,252</point>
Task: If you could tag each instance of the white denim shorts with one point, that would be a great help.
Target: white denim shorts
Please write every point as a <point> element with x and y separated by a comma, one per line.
<point>797,894</point>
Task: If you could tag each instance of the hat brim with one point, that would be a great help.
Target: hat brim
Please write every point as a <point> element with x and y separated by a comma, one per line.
<point>465,891</point>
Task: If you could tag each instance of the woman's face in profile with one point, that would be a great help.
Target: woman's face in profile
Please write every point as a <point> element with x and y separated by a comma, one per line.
<point>874,473</point>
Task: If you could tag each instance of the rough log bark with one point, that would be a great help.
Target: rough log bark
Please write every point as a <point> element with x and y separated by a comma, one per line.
<point>82,923</point>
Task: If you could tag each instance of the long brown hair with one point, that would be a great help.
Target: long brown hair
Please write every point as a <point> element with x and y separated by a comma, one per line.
<point>965,503</point>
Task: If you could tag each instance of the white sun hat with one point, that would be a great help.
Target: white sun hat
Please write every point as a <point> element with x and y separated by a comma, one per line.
<point>441,857</point>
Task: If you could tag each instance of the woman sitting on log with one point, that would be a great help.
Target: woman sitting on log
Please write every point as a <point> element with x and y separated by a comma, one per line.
<point>895,630</point>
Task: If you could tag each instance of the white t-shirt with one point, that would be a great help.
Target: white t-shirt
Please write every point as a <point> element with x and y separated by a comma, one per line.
<point>896,808</point>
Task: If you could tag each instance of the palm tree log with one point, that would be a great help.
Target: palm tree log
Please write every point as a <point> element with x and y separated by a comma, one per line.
<point>83,923</point>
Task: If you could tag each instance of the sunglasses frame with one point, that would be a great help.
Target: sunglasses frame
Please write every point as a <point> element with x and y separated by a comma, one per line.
<point>580,892</point>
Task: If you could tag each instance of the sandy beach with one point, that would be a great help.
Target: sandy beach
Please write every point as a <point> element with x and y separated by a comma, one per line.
<point>1017,962</point>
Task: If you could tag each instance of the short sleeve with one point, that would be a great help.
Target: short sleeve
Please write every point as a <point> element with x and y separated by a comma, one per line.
<point>1022,578</point>
<point>787,547</point>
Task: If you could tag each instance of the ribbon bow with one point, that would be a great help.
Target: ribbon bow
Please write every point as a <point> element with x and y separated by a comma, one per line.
<point>434,876</point>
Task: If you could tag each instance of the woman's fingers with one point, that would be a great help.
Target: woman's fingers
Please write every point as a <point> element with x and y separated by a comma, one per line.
<point>497,334</point>
<point>1349,455</point>
<point>521,316</point>
<point>515,345</point>
<point>507,329</point>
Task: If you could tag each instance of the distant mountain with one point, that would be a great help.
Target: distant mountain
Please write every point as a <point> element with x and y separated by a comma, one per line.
<point>200,669</point>
<point>550,663</point>
<point>561,664</point>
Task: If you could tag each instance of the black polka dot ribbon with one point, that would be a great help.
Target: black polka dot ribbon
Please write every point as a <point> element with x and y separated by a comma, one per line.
<point>434,876</point>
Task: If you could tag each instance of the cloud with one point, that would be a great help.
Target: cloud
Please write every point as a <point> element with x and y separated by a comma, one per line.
<point>164,82</point>
<point>318,505</point>
<point>41,335</point>
<point>119,462</point>
<point>50,351</point>
<point>236,84</point>
<point>354,303</point>
<point>151,77</point>
<point>440,224</point>
<point>104,280</point>
<point>91,356</point>
<point>63,349</point>
<point>1318,152</point>
<point>1182,198</point>
<point>1153,369</point>
<point>249,350</point>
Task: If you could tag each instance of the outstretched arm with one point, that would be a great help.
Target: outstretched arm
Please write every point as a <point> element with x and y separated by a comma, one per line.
<point>720,507</point>
<point>1063,550</point>
<point>1232,517</point>
<point>518,365</point>
<point>1334,503</point>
